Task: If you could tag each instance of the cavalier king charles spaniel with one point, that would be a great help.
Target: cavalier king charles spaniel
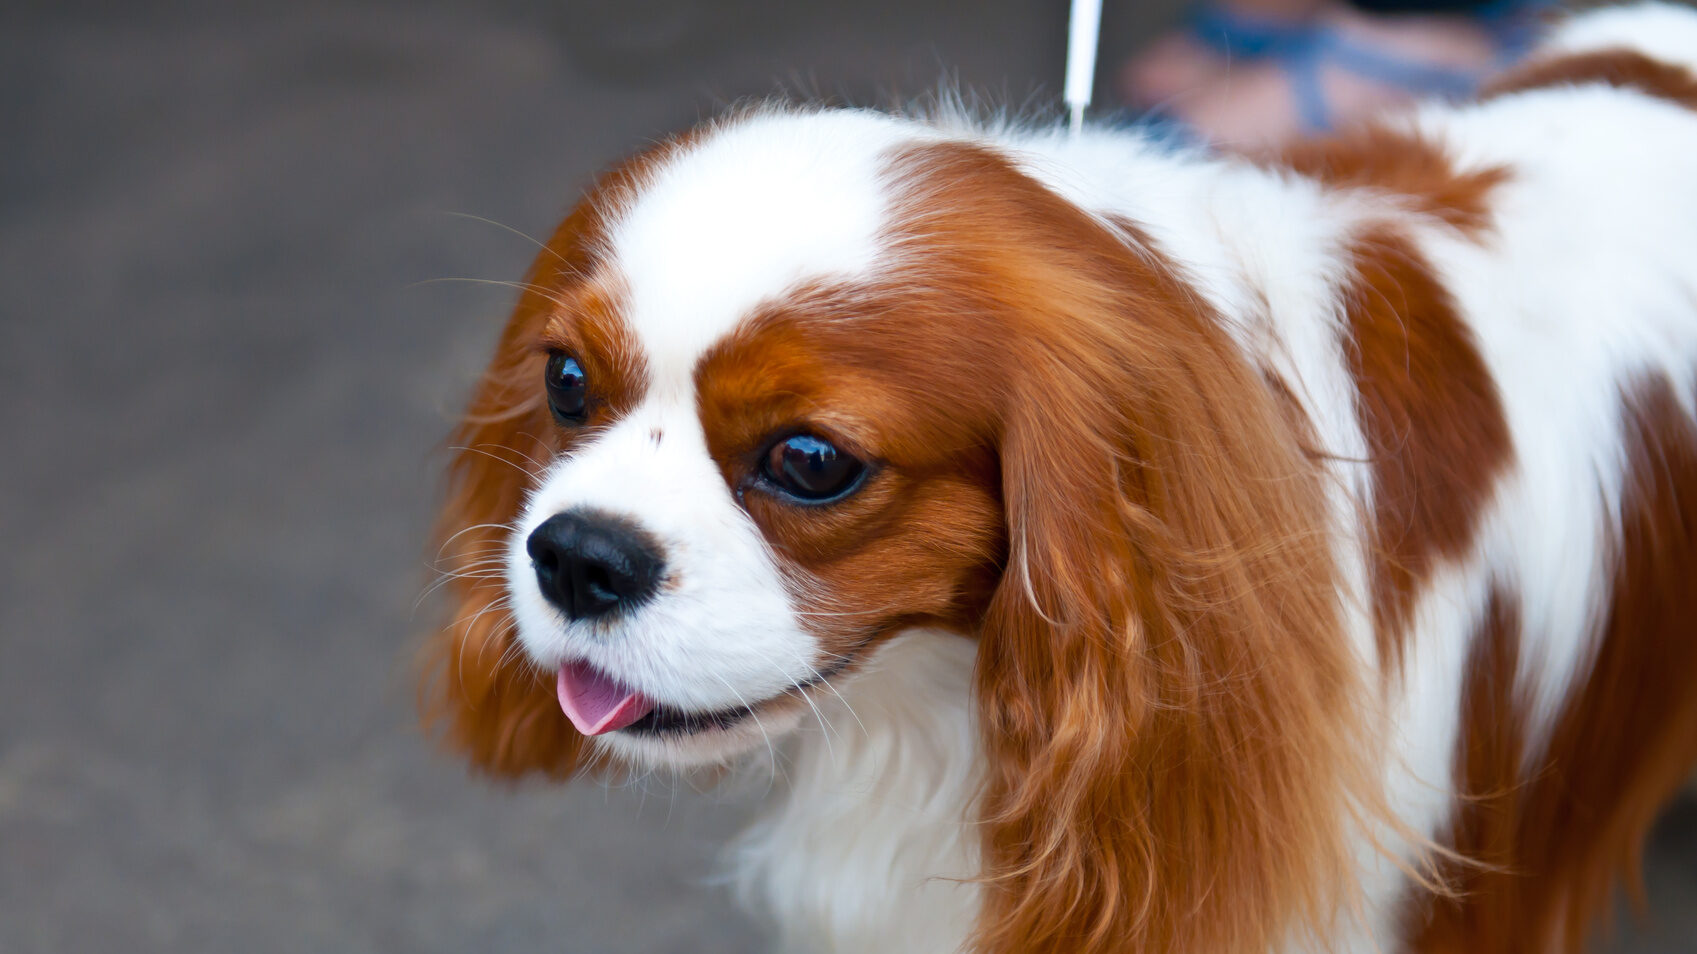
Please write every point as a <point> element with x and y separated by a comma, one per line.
<point>1112,547</point>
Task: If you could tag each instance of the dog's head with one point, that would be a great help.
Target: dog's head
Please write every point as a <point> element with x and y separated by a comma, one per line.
<point>782,389</point>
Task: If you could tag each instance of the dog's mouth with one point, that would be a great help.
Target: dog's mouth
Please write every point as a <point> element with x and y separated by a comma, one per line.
<point>597,704</point>
<point>662,720</point>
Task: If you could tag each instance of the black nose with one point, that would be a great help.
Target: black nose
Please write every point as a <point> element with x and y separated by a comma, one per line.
<point>590,564</point>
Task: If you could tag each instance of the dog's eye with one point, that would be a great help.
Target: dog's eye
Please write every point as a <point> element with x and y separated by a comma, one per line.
<point>811,468</point>
<point>567,392</point>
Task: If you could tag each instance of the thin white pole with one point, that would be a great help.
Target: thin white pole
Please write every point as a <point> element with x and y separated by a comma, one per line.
<point>1082,38</point>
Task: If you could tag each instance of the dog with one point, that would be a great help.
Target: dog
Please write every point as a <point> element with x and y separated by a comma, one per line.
<point>1115,547</point>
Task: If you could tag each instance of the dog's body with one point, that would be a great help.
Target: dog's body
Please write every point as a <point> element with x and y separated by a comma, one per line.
<point>1376,629</point>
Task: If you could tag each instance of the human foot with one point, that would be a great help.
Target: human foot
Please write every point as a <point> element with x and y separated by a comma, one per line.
<point>1213,37</point>
<point>1343,65</point>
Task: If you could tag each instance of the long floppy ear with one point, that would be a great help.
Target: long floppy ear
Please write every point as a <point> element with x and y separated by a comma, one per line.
<point>479,691</point>
<point>1163,682</point>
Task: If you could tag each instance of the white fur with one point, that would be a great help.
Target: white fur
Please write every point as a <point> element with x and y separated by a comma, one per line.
<point>866,847</point>
<point>758,208</point>
<point>1587,279</point>
<point>1560,350</point>
<point>1661,31</point>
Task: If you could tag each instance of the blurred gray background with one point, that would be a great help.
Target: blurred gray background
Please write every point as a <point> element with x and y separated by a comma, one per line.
<point>225,374</point>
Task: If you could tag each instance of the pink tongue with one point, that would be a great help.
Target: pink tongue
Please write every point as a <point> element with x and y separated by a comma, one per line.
<point>595,703</point>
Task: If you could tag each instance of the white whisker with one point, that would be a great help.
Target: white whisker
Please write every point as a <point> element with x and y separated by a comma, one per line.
<point>479,450</point>
<point>507,228</point>
<point>771,750</point>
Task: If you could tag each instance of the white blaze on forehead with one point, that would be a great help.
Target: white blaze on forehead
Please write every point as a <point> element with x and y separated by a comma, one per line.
<point>757,208</point>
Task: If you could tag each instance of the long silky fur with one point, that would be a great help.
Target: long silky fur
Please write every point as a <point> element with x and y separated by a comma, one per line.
<point>479,693</point>
<point>1167,697</point>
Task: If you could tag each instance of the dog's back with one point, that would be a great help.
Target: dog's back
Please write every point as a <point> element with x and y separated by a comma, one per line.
<point>1552,482</point>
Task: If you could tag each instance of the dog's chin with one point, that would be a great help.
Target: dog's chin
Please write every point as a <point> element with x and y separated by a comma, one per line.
<point>681,741</point>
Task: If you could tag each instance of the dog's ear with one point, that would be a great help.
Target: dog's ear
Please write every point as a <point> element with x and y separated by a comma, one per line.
<point>480,693</point>
<point>1164,686</point>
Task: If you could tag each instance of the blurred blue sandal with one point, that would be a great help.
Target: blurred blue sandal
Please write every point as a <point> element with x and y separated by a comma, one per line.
<point>1303,50</point>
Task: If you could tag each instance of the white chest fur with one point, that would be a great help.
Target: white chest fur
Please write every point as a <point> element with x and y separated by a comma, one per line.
<point>866,841</point>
